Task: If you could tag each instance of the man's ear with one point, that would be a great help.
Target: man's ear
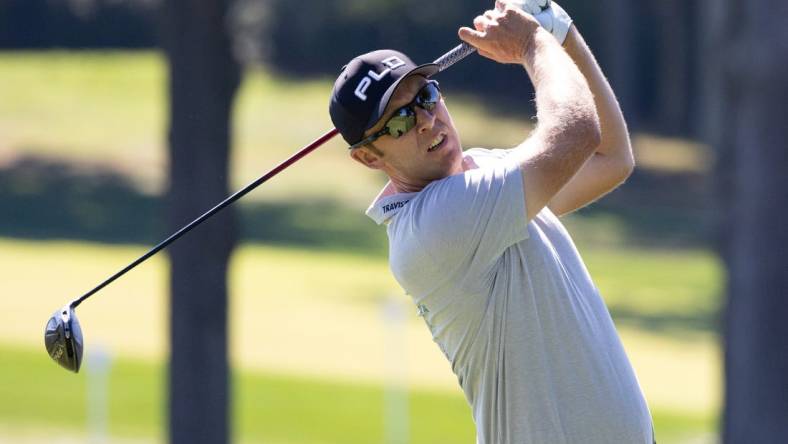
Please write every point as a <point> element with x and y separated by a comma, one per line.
<point>367,158</point>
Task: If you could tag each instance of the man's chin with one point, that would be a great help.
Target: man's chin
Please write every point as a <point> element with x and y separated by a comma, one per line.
<point>454,157</point>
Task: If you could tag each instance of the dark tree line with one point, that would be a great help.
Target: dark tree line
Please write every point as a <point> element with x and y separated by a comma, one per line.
<point>36,24</point>
<point>647,47</point>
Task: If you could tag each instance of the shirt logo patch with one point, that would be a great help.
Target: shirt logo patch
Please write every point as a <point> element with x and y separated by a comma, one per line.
<point>394,206</point>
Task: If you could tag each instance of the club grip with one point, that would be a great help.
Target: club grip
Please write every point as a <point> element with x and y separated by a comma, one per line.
<point>455,55</point>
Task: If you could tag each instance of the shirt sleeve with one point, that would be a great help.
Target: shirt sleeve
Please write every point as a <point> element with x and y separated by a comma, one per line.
<point>470,219</point>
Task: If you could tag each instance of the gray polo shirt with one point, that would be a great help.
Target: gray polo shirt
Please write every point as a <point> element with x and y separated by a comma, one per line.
<point>511,305</point>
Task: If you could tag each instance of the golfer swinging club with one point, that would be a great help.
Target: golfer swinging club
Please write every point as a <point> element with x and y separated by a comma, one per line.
<point>475,239</point>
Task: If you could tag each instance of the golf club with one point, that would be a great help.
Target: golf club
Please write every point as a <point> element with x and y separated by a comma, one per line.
<point>63,334</point>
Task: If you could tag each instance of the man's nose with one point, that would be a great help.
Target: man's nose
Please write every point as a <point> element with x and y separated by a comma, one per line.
<point>425,120</point>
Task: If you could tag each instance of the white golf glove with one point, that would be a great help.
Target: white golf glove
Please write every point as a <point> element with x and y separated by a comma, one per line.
<point>549,14</point>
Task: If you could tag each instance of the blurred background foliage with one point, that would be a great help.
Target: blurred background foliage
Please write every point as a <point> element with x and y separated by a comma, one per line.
<point>649,49</point>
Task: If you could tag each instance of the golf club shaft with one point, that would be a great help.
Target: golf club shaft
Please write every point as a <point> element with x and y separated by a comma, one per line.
<point>450,58</point>
<point>239,194</point>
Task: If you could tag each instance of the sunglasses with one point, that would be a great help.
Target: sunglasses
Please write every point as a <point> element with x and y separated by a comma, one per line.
<point>404,119</point>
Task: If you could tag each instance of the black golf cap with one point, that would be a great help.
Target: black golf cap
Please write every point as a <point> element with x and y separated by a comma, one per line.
<point>364,88</point>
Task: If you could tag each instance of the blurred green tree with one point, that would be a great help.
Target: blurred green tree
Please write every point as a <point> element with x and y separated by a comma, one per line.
<point>203,78</point>
<point>746,48</point>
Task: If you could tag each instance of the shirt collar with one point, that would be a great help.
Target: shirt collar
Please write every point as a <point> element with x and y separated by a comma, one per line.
<point>387,204</point>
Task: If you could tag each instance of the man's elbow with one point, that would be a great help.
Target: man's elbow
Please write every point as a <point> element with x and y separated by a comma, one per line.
<point>629,166</point>
<point>627,157</point>
<point>589,131</point>
<point>624,166</point>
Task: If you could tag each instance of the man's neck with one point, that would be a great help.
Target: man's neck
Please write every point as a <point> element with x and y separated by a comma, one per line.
<point>402,187</point>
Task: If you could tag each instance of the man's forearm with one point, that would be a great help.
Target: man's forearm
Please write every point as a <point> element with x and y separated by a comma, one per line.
<point>612,162</point>
<point>564,103</point>
<point>567,132</point>
<point>615,136</point>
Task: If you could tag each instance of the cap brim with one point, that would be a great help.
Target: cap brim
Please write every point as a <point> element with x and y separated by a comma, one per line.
<point>426,70</point>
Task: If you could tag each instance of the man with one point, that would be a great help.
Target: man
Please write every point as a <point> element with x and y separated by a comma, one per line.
<point>474,237</point>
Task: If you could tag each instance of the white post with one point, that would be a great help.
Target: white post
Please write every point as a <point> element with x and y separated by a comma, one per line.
<point>395,409</point>
<point>98,368</point>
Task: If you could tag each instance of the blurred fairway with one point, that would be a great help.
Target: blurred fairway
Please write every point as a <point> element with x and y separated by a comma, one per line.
<point>324,328</point>
<point>309,340</point>
<point>269,408</point>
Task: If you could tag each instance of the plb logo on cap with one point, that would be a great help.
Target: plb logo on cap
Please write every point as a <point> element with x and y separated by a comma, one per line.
<point>364,87</point>
<point>390,63</point>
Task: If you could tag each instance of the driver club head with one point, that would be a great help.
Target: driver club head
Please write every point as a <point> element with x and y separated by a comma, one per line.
<point>63,338</point>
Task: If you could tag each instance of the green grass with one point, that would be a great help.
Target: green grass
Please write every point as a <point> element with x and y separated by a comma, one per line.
<point>681,288</point>
<point>676,291</point>
<point>678,371</point>
<point>269,407</point>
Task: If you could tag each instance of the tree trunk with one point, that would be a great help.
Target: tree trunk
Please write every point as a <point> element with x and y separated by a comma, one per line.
<point>619,19</point>
<point>747,44</point>
<point>676,52</point>
<point>203,78</point>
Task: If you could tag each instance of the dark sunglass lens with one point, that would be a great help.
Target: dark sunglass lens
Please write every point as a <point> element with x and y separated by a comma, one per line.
<point>404,119</point>
<point>428,97</point>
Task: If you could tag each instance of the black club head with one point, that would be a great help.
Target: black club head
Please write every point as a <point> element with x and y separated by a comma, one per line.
<point>63,339</point>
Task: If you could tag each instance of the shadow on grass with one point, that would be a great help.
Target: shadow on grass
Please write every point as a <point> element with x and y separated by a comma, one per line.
<point>50,199</point>
<point>660,209</point>
<point>699,321</point>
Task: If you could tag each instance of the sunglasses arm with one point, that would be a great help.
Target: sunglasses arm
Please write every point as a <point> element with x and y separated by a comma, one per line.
<point>370,139</point>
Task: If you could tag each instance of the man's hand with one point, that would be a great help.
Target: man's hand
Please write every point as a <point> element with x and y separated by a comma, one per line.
<point>503,34</point>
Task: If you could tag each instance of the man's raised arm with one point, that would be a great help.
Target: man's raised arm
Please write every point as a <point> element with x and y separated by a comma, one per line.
<point>612,161</point>
<point>568,131</point>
